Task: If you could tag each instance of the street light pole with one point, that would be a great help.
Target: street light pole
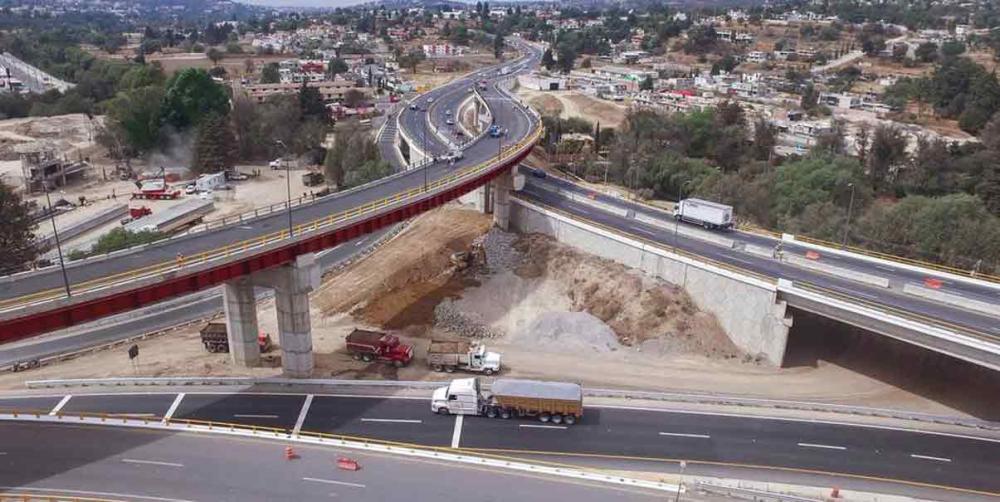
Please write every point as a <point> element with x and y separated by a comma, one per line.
<point>288,184</point>
<point>847,224</point>
<point>55,233</point>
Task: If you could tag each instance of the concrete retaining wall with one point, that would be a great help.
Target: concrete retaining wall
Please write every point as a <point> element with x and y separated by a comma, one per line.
<point>747,308</point>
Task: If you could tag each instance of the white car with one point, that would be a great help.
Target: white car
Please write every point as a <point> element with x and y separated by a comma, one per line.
<point>449,121</point>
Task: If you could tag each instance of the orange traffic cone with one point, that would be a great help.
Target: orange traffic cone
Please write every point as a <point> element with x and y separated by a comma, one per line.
<point>290,453</point>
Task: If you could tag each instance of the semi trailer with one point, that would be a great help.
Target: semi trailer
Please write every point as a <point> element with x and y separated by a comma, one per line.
<point>555,402</point>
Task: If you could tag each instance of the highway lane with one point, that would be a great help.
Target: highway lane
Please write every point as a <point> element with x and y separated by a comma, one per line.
<point>160,316</point>
<point>958,461</point>
<point>894,273</point>
<point>50,278</point>
<point>142,465</point>
<point>769,267</point>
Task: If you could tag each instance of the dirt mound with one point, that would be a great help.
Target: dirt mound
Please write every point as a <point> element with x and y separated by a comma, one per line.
<point>399,286</point>
<point>546,105</point>
<point>568,331</point>
<point>637,308</point>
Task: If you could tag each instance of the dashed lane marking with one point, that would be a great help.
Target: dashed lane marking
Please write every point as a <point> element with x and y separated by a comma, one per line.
<point>253,415</point>
<point>332,482</point>
<point>532,426</point>
<point>926,457</point>
<point>151,462</point>
<point>684,435</point>
<point>393,420</point>
<point>173,407</point>
<point>823,446</point>
<point>62,403</point>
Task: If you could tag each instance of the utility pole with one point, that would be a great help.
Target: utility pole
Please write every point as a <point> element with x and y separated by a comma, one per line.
<point>288,183</point>
<point>55,233</point>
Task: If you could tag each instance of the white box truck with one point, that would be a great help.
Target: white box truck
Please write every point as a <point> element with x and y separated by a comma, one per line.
<point>706,213</point>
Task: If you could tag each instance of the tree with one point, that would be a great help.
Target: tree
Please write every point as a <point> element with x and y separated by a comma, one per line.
<point>952,49</point>
<point>547,60</point>
<point>926,52</point>
<point>498,46</point>
<point>246,123</point>
<point>336,66</point>
<point>137,113</point>
<point>887,150</point>
<point>119,238</point>
<point>354,98</point>
<point>16,237</point>
<point>646,84</point>
<point>809,98</point>
<point>765,137</point>
<point>332,166</point>
<point>215,55</point>
<point>234,48</point>
<point>215,147</point>
<point>411,59</point>
<point>191,95</point>
<point>989,189</point>
<point>567,55</point>
<point>270,74</point>
<point>311,104</point>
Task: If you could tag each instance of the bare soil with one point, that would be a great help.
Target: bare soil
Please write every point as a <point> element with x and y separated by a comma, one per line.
<point>574,104</point>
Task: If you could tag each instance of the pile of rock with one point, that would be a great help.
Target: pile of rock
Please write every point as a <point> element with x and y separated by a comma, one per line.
<point>469,325</point>
<point>499,248</point>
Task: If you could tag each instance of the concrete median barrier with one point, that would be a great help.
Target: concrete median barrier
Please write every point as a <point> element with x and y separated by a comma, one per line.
<point>990,309</point>
<point>845,273</point>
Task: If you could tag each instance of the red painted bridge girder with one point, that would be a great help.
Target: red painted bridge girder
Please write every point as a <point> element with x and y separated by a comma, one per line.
<point>121,301</point>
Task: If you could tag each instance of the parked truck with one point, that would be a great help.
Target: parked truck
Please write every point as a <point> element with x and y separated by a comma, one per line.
<point>312,179</point>
<point>708,214</point>
<point>371,346</point>
<point>445,355</point>
<point>556,402</point>
<point>214,337</point>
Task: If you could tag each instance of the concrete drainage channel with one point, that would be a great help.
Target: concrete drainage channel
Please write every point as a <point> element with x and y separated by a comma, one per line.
<point>361,444</point>
<point>236,383</point>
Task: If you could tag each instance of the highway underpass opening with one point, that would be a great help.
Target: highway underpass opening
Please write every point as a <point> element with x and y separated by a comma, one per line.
<point>815,340</point>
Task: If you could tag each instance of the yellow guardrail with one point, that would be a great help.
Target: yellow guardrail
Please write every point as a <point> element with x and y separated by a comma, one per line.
<point>180,262</point>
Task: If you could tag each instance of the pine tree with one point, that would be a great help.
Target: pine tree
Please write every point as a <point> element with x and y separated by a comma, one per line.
<point>16,237</point>
<point>215,149</point>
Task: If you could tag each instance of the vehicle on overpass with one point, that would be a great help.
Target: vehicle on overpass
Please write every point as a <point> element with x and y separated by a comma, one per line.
<point>371,346</point>
<point>448,355</point>
<point>708,214</point>
<point>496,131</point>
<point>556,402</point>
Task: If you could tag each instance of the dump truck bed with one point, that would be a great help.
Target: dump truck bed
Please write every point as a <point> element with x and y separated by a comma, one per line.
<point>449,347</point>
<point>365,337</point>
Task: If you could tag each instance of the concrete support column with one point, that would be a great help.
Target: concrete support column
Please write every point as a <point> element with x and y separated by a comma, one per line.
<point>292,285</point>
<point>240,306</point>
<point>502,185</point>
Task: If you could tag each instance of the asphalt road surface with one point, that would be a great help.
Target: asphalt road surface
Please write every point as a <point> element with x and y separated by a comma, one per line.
<point>141,465</point>
<point>782,445</point>
<point>534,191</point>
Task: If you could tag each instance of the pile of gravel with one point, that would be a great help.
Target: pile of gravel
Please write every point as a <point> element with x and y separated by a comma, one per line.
<point>569,332</point>
<point>500,252</point>
<point>467,324</point>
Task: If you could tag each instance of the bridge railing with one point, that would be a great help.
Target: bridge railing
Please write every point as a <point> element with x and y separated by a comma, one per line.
<point>182,262</point>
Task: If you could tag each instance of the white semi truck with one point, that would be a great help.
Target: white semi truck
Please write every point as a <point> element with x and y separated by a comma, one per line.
<point>556,402</point>
<point>708,214</point>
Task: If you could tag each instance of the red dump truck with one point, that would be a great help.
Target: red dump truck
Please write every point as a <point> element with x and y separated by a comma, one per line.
<point>556,402</point>
<point>214,337</point>
<point>371,346</point>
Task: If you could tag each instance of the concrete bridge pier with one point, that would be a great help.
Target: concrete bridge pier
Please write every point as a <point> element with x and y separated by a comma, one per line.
<point>240,307</point>
<point>508,181</point>
<point>291,284</point>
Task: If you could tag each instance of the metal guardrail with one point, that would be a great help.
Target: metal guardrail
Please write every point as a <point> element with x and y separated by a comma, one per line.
<point>257,242</point>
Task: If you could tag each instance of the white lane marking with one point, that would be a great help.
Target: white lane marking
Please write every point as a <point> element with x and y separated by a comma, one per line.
<point>62,403</point>
<point>132,415</point>
<point>683,435</point>
<point>393,420</point>
<point>332,482</point>
<point>151,462</point>
<point>926,457</point>
<point>2,453</point>
<point>362,241</point>
<point>645,232</point>
<point>63,491</point>
<point>253,415</point>
<point>173,407</point>
<point>824,446</point>
<point>532,426</point>
<point>302,414</point>
<point>864,295</point>
<point>741,260</point>
<point>887,269</point>
<point>456,436</point>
